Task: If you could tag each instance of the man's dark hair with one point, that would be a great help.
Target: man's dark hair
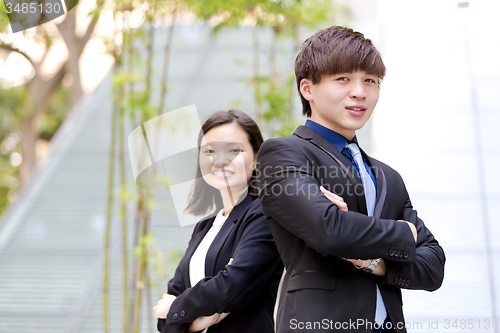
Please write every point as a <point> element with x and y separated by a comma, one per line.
<point>335,50</point>
<point>203,197</point>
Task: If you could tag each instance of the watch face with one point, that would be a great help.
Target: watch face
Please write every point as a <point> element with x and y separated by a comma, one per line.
<point>373,264</point>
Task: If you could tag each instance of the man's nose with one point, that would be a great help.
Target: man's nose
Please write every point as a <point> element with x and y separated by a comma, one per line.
<point>357,90</point>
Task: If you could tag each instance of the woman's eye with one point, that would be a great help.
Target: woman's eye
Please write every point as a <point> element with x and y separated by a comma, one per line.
<point>235,150</point>
<point>209,151</point>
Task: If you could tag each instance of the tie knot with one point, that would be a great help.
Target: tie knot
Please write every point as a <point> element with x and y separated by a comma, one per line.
<point>353,149</point>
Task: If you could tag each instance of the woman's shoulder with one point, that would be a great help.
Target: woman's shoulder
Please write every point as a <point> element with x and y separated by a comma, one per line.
<point>253,214</point>
<point>254,206</point>
<point>202,223</point>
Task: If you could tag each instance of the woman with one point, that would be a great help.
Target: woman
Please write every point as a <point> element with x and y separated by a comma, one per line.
<point>229,276</point>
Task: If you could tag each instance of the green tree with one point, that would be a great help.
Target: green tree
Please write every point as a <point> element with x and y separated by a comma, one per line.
<point>40,88</point>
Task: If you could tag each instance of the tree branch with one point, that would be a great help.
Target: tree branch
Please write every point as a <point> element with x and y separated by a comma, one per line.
<point>10,48</point>
<point>40,89</point>
<point>67,27</point>
<point>90,29</point>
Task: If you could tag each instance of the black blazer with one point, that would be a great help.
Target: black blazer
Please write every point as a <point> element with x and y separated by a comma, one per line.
<point>247,288</point>
<point>312,234</point>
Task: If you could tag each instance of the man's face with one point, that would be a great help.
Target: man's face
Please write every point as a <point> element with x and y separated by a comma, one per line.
<point>342,102</point>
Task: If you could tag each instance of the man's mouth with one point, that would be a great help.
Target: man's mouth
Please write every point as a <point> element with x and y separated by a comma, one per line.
<point>356,110</point>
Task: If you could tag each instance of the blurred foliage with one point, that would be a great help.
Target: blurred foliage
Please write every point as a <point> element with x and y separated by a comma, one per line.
<point>55,116</point>
<point>282,15</point>
<point>4,19</point>
<point>10,100</point>
<point>163,264</point>
<point>276,100</point>
<point>11,104</point>
<point>273,93</point>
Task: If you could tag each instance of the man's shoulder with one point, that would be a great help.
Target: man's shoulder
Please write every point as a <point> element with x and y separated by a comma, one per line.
<point>284,140</point>
<point>290,147</point>
<point>389,172</point>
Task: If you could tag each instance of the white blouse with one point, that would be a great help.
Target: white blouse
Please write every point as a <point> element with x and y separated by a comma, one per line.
<point>197,262</point>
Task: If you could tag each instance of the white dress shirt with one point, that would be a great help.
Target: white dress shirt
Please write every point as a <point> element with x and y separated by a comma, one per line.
<point>197,262</point>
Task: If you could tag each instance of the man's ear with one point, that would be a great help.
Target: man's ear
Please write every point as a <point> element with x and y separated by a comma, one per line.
<point>305,89</point>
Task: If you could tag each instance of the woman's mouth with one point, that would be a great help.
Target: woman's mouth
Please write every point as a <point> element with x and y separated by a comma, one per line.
<point>222,174</point>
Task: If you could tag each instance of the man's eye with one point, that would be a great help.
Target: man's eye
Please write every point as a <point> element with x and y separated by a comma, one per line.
<point>371,80</point>
<point>343,78</point>
<point>209,151</point>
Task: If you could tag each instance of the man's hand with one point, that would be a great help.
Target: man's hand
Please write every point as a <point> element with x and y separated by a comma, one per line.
<point>339,201</point>
<point>163,306</point>
<point>359,263</point>
<point>336,199</point>
<point>412,228</point>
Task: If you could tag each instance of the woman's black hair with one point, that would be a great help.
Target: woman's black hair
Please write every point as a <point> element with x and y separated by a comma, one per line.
<point>203,197</point>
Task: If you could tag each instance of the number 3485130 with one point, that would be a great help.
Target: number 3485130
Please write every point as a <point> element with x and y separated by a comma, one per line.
<point>33,8</point>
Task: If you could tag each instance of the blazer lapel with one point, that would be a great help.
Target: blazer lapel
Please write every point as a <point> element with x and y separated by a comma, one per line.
<point>216,246</point>
<point>190,250</point>
<point>316,139</point>
<point>376,168</point>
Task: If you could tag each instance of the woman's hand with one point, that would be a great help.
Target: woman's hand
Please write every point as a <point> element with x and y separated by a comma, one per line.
<point>203,322</point>
<point>163,306</point>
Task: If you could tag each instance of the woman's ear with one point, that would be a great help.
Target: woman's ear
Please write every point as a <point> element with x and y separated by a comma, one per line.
<point>254,164</point>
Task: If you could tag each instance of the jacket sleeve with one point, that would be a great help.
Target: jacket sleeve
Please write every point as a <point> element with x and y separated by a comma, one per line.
<point>290,195</point>
<point>254,261</point>
<point>176,286</point>
<point>427,271</point>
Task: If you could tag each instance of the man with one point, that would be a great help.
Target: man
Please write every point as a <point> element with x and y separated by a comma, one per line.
<point>342,220</point>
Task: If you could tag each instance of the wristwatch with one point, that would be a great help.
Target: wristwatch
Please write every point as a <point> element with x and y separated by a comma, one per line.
<point>371,267</point>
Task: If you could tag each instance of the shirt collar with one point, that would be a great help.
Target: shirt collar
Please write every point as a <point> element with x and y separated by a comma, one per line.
<point>336,139</point>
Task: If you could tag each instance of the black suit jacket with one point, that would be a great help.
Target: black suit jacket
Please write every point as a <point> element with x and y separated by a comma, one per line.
<point>313,234</point>
<point>247,288</point>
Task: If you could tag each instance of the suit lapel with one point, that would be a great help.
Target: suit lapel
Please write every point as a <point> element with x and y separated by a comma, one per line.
<point>196,242</point>
<point>219,241</point>
<point>376,168</point>
<point>316,139</point>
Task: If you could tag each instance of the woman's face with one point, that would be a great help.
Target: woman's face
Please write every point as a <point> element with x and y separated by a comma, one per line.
<point>227,158</point>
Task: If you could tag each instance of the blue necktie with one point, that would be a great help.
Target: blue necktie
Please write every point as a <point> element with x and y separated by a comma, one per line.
<point>370,197</point>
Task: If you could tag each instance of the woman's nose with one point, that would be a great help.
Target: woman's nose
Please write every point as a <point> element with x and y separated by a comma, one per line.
<point>220,160</point>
